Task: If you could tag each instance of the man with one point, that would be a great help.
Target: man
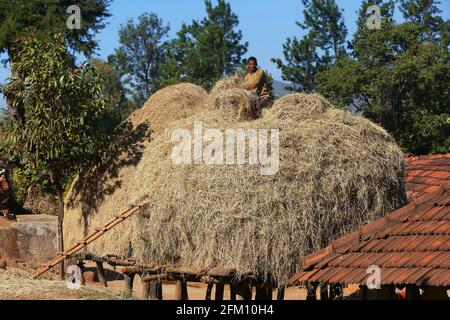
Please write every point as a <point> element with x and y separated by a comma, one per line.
<point>256,80</point>
<point>5,193</point>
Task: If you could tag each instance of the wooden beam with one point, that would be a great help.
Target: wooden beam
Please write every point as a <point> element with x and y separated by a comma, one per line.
<point>101,275</point>
<point>219,291</point>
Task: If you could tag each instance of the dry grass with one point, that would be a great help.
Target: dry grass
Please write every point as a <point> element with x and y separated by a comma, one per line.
<point>337,172</point>
<point>241,104</point>
<point>16,286</point>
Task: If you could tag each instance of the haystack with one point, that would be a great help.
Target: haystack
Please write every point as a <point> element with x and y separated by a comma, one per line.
<point>336,172</point>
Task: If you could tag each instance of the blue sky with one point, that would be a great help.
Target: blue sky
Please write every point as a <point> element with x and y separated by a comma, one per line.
<point>265,23</point>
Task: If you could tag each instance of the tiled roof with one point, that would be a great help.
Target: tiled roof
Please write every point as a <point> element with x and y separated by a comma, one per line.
<point>426,173</point>
<point>411,245</point>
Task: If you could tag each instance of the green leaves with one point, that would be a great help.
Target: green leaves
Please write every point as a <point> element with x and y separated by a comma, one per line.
<point>61,102</point>
<point>398,76</point>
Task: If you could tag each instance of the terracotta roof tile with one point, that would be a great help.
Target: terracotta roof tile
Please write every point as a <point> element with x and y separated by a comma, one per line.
<point>411,245</point>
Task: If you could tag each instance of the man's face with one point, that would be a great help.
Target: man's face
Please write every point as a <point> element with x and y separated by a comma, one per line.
<point>251,65</point>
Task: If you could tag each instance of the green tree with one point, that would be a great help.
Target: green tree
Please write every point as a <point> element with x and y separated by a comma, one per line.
<point>141,55</point>
<point>20,18</point>
<point>117,104</point>
<point>425,13</point>
<point>399,79</point>
<point>318,49</point>
<point>62,102</point>
<point>206,50</point>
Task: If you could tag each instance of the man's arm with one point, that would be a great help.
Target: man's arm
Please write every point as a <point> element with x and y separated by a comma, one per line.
<point>253,82</point>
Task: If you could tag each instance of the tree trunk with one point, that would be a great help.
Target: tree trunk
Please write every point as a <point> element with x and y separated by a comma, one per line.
<point>60,231</point>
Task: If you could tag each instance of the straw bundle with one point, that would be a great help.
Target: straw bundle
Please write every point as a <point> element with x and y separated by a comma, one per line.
<point>336,172</point>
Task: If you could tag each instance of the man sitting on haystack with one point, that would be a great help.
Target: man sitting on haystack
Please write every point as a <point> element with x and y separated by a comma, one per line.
<point>256,80</point>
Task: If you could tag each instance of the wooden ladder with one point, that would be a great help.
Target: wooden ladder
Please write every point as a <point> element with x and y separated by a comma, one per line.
<point>99,231</point>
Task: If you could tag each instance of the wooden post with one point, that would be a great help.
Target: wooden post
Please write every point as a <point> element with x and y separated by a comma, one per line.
<point>412,292</point>
<point>219,291</point>
<point>181,290</point>
<point>244,290</point>
<point>129,282</point>
<point>324,292</point>
<point>364,292</point>
<point>155,290</point>
<point>312,288</point>
<point>232,292</point>
<point>208,291</point>
<point>146,288</point>
<point>280,293</point>
<point>101,274</point>
<point>263,292</point>
<point>336,292</point>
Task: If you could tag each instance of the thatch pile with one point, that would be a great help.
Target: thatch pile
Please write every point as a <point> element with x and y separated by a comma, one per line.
<point>337,171</point>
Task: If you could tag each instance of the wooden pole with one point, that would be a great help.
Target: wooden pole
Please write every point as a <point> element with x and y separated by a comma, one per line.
<point>219,291</point>
<point>412,292</point>
<point>181,290</point>
<point>155,290</point>
<point>208,291</point>
<point>146,288</point>
<point>312,288</point>
<point>263,292</point>
<point>101,273</point>
<point>232,292</point>
<point>280,293</point>
<point>324,292</point>
<point>129,283</point>
<point>244,290</point>
<point>335,292</point>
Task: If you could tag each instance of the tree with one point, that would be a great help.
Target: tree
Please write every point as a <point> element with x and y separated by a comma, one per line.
<point>318,49</point>
<point>117,104</point>
<point>326,26</point>
<point>61,102</point>
<point>208,49</point>
<point>398,78</point>
<point>425,13</point>
<point>20,19</point>
<point>141,55</point>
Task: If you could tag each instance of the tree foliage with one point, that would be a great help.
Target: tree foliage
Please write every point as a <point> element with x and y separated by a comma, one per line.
<point>59,133</point>
<point>320,47</point>
<point>141,55</point>
<point>206,50</point>
<point>20,18</point>
<point>398,76</point>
